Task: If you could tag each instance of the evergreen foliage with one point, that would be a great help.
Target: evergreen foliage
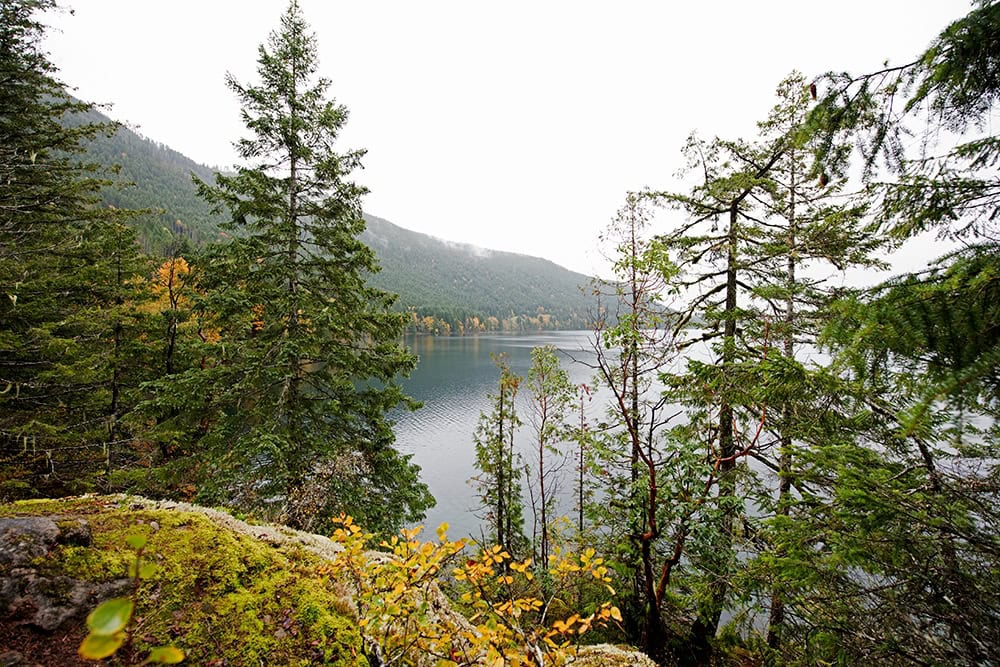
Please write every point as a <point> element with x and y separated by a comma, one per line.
<point>949,186</point>
<point>852,505</point>
<point>903,501</point>
<point>68,270</point>
<point>155,180</point>
<point>721,253</point>
<point>305,364</point>
<point>950,88</point>
<point>500,466</point>
<point>471,289</point>
<point>445,288</point>
<point>744,268</point>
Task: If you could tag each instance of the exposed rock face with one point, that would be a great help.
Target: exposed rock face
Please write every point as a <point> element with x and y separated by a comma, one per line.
<point>24,539</point>
<point>34,598</point>
<point>225,592</point>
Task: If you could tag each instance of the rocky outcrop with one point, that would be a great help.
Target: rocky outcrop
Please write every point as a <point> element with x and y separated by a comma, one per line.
<point>44,600</point>
<point>227,592</point>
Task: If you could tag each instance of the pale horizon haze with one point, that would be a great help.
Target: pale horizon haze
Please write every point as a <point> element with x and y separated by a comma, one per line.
<point>516,126</point>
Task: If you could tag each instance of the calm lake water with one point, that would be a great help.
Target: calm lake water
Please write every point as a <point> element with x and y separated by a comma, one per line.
<point>453,379</point>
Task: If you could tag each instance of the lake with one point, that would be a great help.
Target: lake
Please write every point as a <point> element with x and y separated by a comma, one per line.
<point>453,380</point>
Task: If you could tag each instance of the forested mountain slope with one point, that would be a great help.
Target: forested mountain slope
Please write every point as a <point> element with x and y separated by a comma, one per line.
<point>154,177</point>
<point>449,287</point>
<point>455,282</point>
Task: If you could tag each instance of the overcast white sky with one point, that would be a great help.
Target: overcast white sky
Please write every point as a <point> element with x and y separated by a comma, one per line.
<point>510,125</point>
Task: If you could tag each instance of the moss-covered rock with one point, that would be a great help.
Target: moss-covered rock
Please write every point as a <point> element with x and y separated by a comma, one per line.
<point>218,592</point>
<point>224,591</point>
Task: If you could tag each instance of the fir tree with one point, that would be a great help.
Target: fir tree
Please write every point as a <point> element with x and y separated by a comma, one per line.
<point>67,270</point>
<point>921,352</point>
<point>812,229</point>
<point>751,254</point>
<point>305,366</point>
<point>719,249</point>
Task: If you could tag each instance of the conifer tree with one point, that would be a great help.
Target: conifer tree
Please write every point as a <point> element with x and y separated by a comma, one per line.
<point>761,235</point>
<point>946,182</point>
<point>812,229</point>
<point>921,353</point>
<point>307,360</point>
<point>719,251</point>
<point>499,465</point>
<point>67,269</point>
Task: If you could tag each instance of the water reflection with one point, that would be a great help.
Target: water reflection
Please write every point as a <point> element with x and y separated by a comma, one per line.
<point>453,379</point>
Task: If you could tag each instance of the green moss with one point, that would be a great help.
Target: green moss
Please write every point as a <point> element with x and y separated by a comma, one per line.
<point>87,563</point>
<point>47,506</point>
<point>215,593</point>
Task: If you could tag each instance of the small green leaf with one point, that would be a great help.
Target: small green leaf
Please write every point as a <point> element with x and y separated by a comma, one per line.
<point>165,655</point>
<point>110,617</point>
<point>96,647</point>
<point>148,570</point>
<point>136,541</point>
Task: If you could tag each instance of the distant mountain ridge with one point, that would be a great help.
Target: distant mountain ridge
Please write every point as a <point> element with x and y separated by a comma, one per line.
<point>160,179</point>
<point>453,281</point>
<point>446,287</point>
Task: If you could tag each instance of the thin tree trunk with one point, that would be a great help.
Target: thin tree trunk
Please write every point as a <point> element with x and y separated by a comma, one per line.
<point>172,298</point>
<point>707,624</point>
<point>115,407</point>
<point>777,616</point>
<point>544,559</point>
<point>633,350</point>
<point>582,464</point>
<point>291,398</point>
<point>501,486</point>
<point>510,491</point>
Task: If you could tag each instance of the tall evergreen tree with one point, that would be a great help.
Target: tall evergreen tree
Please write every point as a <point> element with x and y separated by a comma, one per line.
<point>500,466</point>
<point>66,274</point>
<point>812,229</point>
<point>914,517</point>
<point>755,232</point>
<point>307,359</point>
<point>945,182</point>
<point>720,251</point>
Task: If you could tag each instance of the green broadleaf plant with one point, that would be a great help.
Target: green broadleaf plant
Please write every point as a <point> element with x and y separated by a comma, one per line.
<point>108,623</point>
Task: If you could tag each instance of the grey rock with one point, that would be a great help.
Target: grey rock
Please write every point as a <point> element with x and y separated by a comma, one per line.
<point>58,600</point>
<point>24,539</point>
<point>15,659</point>
<point>45,602</point>
<point>48,603</point>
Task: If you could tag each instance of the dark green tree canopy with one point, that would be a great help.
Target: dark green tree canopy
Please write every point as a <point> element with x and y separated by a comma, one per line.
<point>307,358</point>
<point>948,184</point>
<point>65,263</point>
<point>947,179</point>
